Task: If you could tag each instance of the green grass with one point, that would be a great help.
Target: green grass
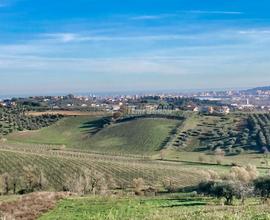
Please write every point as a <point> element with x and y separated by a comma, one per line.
<point>140,136</point>
<point>182,207</point>
<point>137,136</point>
<point>65,131</point>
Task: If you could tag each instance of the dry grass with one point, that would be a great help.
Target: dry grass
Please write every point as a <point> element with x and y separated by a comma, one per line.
<point>31,206</point>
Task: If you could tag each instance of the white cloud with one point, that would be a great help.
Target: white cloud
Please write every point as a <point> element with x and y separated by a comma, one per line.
<point>72,37</point>
<point>147,17</point>
<point>214,12</point>
<point>254,31</point>
<point>111,66</point>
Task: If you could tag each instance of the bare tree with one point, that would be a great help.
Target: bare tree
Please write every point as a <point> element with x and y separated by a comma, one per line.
<point>5,182</point>
<point>15,180</point>
<point>242,178</point>
<point>170,184</point>
<point>138,185</point>
<point>33,179</point>
<point>88,182</point>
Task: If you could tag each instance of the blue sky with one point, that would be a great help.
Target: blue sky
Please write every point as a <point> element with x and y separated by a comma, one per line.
<point>51,46</point>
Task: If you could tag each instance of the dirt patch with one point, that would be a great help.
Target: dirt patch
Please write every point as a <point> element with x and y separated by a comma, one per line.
<point>31,206</point>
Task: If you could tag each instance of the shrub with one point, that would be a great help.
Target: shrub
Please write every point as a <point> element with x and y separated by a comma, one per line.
<point>262,187</point>
<point>222,189</point>
<point>243,174</point>
<point>210,175</point>
<point>171,185</point>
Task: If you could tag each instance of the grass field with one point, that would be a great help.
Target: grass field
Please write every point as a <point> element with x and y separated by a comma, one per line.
<point>182,207</point>
<point>140,136</point>
<point>65,131</point>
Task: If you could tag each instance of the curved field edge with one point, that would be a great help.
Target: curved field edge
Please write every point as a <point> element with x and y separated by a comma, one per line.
<point>139,136</point>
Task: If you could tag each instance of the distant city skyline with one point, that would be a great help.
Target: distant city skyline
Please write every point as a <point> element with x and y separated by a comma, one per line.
<point>50,47</point>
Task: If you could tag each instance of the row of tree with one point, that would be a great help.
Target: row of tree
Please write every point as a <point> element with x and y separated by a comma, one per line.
<point>240,183</point>
<point>259,125</point>
<point>29,180</point>
<point>17,119</point>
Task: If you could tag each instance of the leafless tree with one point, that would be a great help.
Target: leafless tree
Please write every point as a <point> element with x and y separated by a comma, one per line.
<point>138,185</point>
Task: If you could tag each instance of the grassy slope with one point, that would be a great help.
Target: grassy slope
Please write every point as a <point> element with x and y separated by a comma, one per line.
<point>65,131</point>
<point>180,207</point>
<point>138,136</point>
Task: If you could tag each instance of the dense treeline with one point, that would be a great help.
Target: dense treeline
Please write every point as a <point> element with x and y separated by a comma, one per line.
<point>134,117</point>
<point>16,119</point>
<point>170,103</point>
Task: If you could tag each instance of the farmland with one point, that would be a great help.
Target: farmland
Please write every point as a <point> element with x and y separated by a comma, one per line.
<point>168,156</point>
<point>58,165</point>
<point>234,133</point>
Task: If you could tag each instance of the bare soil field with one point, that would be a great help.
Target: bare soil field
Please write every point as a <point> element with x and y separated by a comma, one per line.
<point>30,207</point>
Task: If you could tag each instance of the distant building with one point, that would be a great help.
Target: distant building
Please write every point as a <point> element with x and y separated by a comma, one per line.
<point>8,103</point>
<point>207,110</point>
<point>116,108</point>
<point>192,108</point>
<point>246,106</point>
<point>222,110</point>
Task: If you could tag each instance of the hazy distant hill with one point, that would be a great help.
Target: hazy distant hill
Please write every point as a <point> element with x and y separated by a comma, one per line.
<point>254,90</point>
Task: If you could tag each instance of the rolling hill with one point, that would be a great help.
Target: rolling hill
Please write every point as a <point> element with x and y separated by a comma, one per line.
<point>140,136</point>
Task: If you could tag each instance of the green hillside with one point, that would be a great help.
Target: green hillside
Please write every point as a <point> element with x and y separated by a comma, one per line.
<point>65,131</point>
<point>233,133</point>
<point>91,133</point>
<point>138,136</point>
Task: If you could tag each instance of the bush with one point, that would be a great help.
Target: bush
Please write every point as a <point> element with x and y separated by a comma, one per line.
<point>262,187</point>
<point>221,189</point>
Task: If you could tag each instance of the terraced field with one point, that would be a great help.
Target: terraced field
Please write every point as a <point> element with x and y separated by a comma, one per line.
<point>57,165</point>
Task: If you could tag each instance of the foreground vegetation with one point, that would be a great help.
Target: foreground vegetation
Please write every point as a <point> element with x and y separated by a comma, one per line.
<point>174,207</point>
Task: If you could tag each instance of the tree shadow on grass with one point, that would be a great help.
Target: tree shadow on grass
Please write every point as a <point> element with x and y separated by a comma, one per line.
<point>185,202</point>
<point>93,127</point>
<point>185,205</point>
